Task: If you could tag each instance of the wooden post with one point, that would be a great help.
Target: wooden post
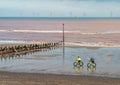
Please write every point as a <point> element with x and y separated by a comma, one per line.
<point>63,44</point>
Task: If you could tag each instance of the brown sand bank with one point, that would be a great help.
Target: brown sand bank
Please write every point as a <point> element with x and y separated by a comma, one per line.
<point>48,79</point>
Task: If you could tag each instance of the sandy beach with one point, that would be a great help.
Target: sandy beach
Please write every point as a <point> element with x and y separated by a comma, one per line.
<point>7,78</point>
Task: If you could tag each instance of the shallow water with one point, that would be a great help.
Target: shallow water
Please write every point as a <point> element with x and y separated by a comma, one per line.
<point>52,61</point>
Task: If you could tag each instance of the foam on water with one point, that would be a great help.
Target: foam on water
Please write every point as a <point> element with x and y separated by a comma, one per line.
<point>10,41</point>
<point>2,30</point>
<point>59,31</point>
<point>18,42</point>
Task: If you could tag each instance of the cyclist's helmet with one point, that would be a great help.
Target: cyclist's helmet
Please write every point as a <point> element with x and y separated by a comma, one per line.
<point>92,59</point>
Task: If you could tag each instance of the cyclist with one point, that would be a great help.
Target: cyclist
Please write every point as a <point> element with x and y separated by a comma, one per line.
<point>78,59</point>
<point>91,66</point>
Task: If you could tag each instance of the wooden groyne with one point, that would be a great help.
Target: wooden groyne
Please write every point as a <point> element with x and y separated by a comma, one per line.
<point>25,48</point>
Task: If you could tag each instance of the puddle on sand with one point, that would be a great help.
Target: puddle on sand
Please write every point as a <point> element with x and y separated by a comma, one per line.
<point>107,60</point>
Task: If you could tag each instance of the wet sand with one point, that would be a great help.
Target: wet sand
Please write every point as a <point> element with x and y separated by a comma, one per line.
<point>13,78</point>
<point>50,79</point>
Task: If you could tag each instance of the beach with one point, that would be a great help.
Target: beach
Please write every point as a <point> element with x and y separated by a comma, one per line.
<point>97,38</point>
<point>7,78</point>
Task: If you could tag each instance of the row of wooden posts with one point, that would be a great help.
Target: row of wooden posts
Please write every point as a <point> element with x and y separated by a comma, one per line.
<point>23,48</point>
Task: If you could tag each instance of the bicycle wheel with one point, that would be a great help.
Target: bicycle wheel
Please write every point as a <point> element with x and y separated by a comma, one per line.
<point>88,65</point>
<point>75,64</point>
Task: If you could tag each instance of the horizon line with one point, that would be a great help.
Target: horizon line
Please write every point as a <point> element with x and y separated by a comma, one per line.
<point>59,17</point>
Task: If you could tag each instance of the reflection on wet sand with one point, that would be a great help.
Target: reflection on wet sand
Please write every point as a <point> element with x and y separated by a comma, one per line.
<point>91,70</point>
<point>42,57</point>
<point>78,69</point>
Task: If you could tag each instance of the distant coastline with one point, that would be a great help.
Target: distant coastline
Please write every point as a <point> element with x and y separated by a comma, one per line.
<point>61,18</point>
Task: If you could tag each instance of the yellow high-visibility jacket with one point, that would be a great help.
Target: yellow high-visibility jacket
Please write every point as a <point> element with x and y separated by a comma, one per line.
<point>78,59</point>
